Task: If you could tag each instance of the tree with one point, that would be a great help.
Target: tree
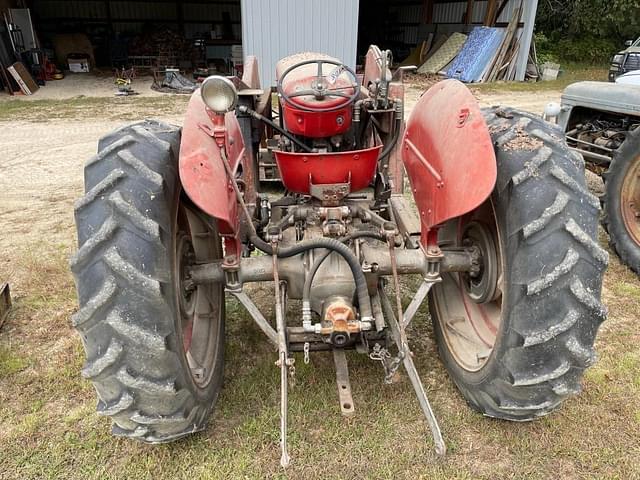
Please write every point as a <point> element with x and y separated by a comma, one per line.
<point>615,20</point>
<point>586,30</point>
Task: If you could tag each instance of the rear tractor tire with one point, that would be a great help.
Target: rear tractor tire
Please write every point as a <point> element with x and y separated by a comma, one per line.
<point>621,201</point>
<point>154,344</point>
<point>517,336</point>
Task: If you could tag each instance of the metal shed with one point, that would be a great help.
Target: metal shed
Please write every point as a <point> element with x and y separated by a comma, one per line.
<point>272,29</point>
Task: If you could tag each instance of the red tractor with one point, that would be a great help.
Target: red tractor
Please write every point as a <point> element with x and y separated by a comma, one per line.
<point>503,239</point>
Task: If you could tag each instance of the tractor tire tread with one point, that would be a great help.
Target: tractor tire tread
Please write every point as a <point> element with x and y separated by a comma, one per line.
<point>619,239</point>
<point>133,362</point>
<point>553,312</point>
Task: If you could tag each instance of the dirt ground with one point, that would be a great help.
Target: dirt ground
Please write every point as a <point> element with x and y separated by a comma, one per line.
<point>48,428</point>
<point>92,85</point>
<point>41,170</point>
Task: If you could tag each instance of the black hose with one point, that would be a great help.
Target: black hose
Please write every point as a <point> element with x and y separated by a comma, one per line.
<point>306,291</point>
<point>394,140</point>
<point>275,126</point>
<point>330,244</point>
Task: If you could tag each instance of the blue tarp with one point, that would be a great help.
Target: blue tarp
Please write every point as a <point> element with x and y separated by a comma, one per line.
<point>476,54</point>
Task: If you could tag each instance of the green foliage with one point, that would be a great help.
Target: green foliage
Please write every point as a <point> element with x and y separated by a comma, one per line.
<point>583,49</point>
<point>588,49</point>
<point>585,30</point>
<point>545,48</point>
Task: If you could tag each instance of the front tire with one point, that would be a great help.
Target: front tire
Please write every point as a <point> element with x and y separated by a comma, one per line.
<point>518,336</point>
<point>621,202</point>
<point>154,344</point>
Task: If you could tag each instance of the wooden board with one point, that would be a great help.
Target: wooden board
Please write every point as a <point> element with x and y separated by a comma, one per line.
<point>24,79</point>
<point>506,44</point>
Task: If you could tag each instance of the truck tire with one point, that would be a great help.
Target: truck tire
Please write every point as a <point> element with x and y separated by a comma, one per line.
<point>621,201</point>
<point>153,343</point>
<point>517,336</point>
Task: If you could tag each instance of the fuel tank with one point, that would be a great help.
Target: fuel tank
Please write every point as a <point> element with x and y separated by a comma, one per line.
<point>308,115</point>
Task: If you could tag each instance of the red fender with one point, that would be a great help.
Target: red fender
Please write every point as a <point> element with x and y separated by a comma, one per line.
<point>202,172</point>
<point>448,154</point>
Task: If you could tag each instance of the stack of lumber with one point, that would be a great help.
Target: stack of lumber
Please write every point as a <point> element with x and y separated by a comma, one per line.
<point>504,65</point>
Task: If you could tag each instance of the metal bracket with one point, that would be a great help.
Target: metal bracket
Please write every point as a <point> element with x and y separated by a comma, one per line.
<point>330,194</point>
<point>344,385</point>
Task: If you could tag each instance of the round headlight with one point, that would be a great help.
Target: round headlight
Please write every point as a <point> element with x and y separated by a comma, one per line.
<point>219,94</point>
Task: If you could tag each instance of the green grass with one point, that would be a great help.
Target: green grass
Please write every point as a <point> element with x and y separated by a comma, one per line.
<point>113,108</point>
<point>10,362</point>
<point>569,74</point>
<point>48,427</point>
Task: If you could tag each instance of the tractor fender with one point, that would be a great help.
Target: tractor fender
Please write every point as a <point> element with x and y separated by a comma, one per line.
<point>448,155</point>
<point>202,172</point>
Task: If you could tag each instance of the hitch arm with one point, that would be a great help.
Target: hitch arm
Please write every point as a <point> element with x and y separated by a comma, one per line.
<point>409,366</point>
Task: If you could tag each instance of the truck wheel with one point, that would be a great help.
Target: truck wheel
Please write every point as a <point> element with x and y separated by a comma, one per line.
<point>154,343</point>
<point>621,201</point>
<point>517,335</point>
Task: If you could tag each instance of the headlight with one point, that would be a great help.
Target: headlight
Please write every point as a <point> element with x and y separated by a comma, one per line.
<point>617,59</point>
<point>219,94</point>
<point>551,110</point>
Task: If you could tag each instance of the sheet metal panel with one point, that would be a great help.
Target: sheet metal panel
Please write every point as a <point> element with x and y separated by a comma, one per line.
<point>272,29</point>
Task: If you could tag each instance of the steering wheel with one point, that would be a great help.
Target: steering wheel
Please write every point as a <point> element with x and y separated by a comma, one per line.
<point>321,86</point>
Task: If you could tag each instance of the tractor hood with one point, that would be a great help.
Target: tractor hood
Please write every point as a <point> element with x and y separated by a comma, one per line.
<point>605,96</point>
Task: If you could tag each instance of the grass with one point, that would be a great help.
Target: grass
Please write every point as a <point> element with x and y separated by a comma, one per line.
<point>569,74</point>
<point>48,427</point>
<point>10,363</point>
<point>109,108</point>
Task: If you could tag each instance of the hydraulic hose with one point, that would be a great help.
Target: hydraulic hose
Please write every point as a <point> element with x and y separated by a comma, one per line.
<point>329,244</point>
<point>394,140</point>
<point>306,291</point>
<point>275,126</point>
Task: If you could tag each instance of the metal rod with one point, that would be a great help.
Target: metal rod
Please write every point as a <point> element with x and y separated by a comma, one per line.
<point>416,302</point>
<point>577,140</point>
<point>600,159</point>
<point>410,367</point>
<point>283,361</point>
<point>257,316</point>
<point>396,285</point>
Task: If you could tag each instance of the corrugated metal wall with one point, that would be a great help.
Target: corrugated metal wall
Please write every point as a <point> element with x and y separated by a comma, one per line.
<point>272,29</point>
<point>454,12</point>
